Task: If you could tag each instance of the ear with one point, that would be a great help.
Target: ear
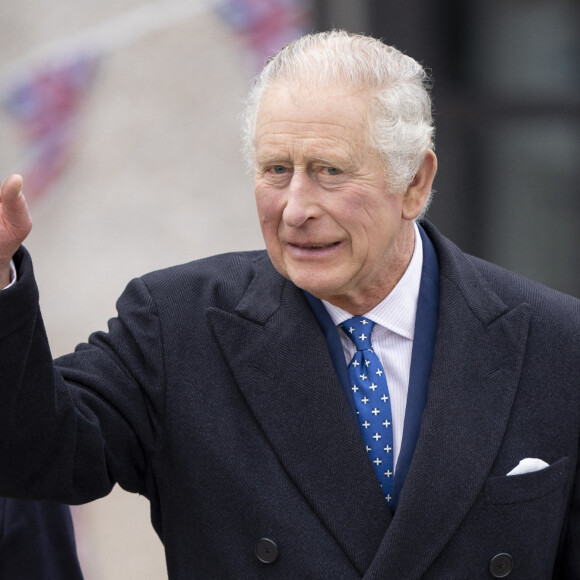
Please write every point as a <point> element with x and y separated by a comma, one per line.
<point>418,192</point>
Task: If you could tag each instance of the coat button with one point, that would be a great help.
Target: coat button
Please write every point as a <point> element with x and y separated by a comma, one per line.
<point>501,565</point>
<point>266,551</point>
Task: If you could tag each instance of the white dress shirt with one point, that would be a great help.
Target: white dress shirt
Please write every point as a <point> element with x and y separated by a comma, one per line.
<point>12,275</point>
<point>392,336</point>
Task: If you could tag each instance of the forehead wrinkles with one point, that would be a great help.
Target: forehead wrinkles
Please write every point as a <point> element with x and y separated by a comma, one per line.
<point>325,141</point>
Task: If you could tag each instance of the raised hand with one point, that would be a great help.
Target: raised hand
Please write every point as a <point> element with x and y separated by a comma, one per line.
<point>15,223</point>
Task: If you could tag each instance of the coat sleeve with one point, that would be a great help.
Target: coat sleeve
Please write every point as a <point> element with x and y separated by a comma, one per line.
<point>37,541</point>
<point>71,429</point>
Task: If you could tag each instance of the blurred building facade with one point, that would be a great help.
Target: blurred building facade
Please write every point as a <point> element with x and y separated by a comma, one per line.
<point>507,104</point>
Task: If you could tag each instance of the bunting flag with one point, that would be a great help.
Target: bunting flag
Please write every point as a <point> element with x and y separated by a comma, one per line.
<point>46,101</point>
<point>265,26</point>
<point>46,106</point>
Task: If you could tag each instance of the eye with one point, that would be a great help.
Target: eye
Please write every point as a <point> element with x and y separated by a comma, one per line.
<point>278,169</point>
<point>332,171</point>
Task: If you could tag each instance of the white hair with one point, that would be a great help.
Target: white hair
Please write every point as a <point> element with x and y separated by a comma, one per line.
<point>399,119</point>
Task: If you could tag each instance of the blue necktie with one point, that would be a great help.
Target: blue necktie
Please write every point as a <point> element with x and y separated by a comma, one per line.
<point>371,397</point>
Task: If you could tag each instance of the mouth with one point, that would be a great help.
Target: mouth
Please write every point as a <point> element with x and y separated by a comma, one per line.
<point>300,251</point>
<point>313,246</point>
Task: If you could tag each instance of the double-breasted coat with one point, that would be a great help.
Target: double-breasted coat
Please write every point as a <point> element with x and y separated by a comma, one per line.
<point>213,394</point>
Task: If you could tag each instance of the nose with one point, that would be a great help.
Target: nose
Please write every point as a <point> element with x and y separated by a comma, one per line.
<point>301,201</point>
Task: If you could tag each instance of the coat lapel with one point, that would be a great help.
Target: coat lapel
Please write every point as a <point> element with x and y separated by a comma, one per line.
<point>477,361</point>
<point>281,364</point>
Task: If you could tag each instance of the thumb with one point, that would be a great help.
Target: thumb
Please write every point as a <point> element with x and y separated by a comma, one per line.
<point>11,193</point>
<point>15,221</point>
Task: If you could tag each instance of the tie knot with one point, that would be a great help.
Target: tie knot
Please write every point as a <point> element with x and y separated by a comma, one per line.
<point>359,330</point>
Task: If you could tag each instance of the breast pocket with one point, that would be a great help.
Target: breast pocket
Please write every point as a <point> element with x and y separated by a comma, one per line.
<point>509,489</point>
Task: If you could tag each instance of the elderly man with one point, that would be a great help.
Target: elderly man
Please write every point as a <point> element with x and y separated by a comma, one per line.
<point>361,400</point>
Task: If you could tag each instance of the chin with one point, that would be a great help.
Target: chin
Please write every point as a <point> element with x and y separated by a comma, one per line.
<point>322,291</point>
<point>319,281</point>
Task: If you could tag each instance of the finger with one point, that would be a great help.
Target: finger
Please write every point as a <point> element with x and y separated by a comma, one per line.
<point>14,208</point>
<point>12,189</point>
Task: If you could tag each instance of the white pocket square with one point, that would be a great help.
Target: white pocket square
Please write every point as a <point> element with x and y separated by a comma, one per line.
<point>528,465</point>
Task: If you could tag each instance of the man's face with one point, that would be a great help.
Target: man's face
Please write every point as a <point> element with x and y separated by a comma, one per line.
<point>328,221</point>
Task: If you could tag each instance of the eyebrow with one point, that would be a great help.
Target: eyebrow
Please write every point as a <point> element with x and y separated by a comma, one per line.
<point>345,164</point>
<point>273,159</point>
<point>328,162</point>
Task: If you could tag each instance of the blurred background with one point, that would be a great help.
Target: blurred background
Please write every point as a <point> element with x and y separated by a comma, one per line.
<point>123,117</point>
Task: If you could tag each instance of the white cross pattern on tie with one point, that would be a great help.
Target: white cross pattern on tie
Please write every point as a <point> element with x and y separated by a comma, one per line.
<point>371,397</point>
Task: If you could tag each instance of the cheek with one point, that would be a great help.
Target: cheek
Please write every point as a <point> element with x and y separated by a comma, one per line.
<point>269,213</point>
<point>354,215</point>
<point>383,212</point>
<point>369,220</point>
<point>265,204</point>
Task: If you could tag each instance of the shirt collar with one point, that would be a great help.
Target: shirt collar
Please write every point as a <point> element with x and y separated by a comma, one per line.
<point>397,312</point>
